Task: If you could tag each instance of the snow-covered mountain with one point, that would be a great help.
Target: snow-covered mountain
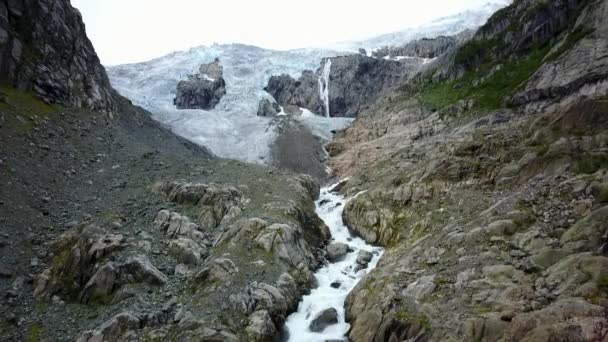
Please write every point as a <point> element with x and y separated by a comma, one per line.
<point>445,26</point>
<point>232,129</point>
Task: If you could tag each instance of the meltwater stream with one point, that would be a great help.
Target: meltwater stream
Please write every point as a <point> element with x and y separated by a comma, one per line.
<point>329,207</point>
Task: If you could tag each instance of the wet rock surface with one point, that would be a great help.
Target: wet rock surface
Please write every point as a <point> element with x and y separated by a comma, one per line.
<point>354,82</point>
<point>324,319</point>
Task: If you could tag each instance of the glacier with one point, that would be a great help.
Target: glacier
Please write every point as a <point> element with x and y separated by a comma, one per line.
<point>233,129</point>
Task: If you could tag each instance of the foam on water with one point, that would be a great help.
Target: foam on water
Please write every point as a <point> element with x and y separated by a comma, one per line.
<point>329,207</point>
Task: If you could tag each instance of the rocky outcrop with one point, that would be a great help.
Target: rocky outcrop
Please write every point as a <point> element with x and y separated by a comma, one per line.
<point>354,82</point>
<point>44,48</point>
<point>266,108</point>
<point>303,92</point>
<point>76,272</point>
<point>423,48</point>
<point>267,306</point>
<point>112,276</point>
<point>203,90</point>
<point>216,204</point>
<point>76,254</point>
<point>578,67</point>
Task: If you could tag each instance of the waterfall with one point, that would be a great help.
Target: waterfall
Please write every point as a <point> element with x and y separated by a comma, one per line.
<point>324,85</point>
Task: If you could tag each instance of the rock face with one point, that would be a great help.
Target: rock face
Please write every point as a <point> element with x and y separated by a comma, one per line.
<point>354,81</point>
<point>303,92</point>
<point>423,48</point>
<point>582,66</point>
<point>469,210</point>
<point>203,90</point>
<point>44,48</point>
<point>266,108</point>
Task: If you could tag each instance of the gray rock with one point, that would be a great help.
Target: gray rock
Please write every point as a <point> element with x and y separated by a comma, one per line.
<point>266,108</point>
<point>261,327</point>
<point>53,57</point>
<point>216,204</point>
<point>203,90</point>
<point>219,270</point>
<point>113,329</point>
<point>187,251</point>
<point>422,48</point>
<point>324,319</point>
<point>336,251</point>
<point>112,276</point>
<point>355,82</point>
<point>364,257</point>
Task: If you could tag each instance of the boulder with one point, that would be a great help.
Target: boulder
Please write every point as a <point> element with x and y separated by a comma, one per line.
<point>261,327</point>
<point>187,251</point>
<point>336,251</point>
<point>324,319</point>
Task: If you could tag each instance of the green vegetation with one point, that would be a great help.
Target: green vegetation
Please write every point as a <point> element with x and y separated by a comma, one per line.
<point>591,163</point>
<point>26,107</point>
<point>42,307</point>
<point>571,39</point>
<point>34,333</point>
<point>602,284</point>
<point>603,197</point>
<point>475,51</point>
<point>489,94</point>
<point>441,281</point>
<point>419,319</point>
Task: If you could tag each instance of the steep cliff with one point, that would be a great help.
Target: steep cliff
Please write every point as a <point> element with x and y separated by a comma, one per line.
<point>354,82</point>
<point>45,50</point>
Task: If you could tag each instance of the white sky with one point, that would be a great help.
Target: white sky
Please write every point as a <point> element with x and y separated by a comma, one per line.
<point>125,31</point>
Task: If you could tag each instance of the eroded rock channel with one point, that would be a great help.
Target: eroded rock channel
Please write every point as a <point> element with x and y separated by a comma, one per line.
<point>320,315</point>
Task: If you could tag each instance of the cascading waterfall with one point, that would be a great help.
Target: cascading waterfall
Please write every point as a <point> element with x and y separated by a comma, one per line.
<point>343,275</point>
<point>324,85</point>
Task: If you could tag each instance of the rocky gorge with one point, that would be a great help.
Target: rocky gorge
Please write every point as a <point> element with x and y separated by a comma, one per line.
<point>469,196</point>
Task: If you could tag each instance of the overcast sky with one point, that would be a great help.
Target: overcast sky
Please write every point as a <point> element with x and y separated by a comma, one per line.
<point>126,31</point>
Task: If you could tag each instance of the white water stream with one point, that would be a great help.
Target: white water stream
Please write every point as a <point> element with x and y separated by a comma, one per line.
<point>329,207</point>
<point>324,85</point>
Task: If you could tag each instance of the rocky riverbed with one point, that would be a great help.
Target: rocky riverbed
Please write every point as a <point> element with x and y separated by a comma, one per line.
<point>320,315</point>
